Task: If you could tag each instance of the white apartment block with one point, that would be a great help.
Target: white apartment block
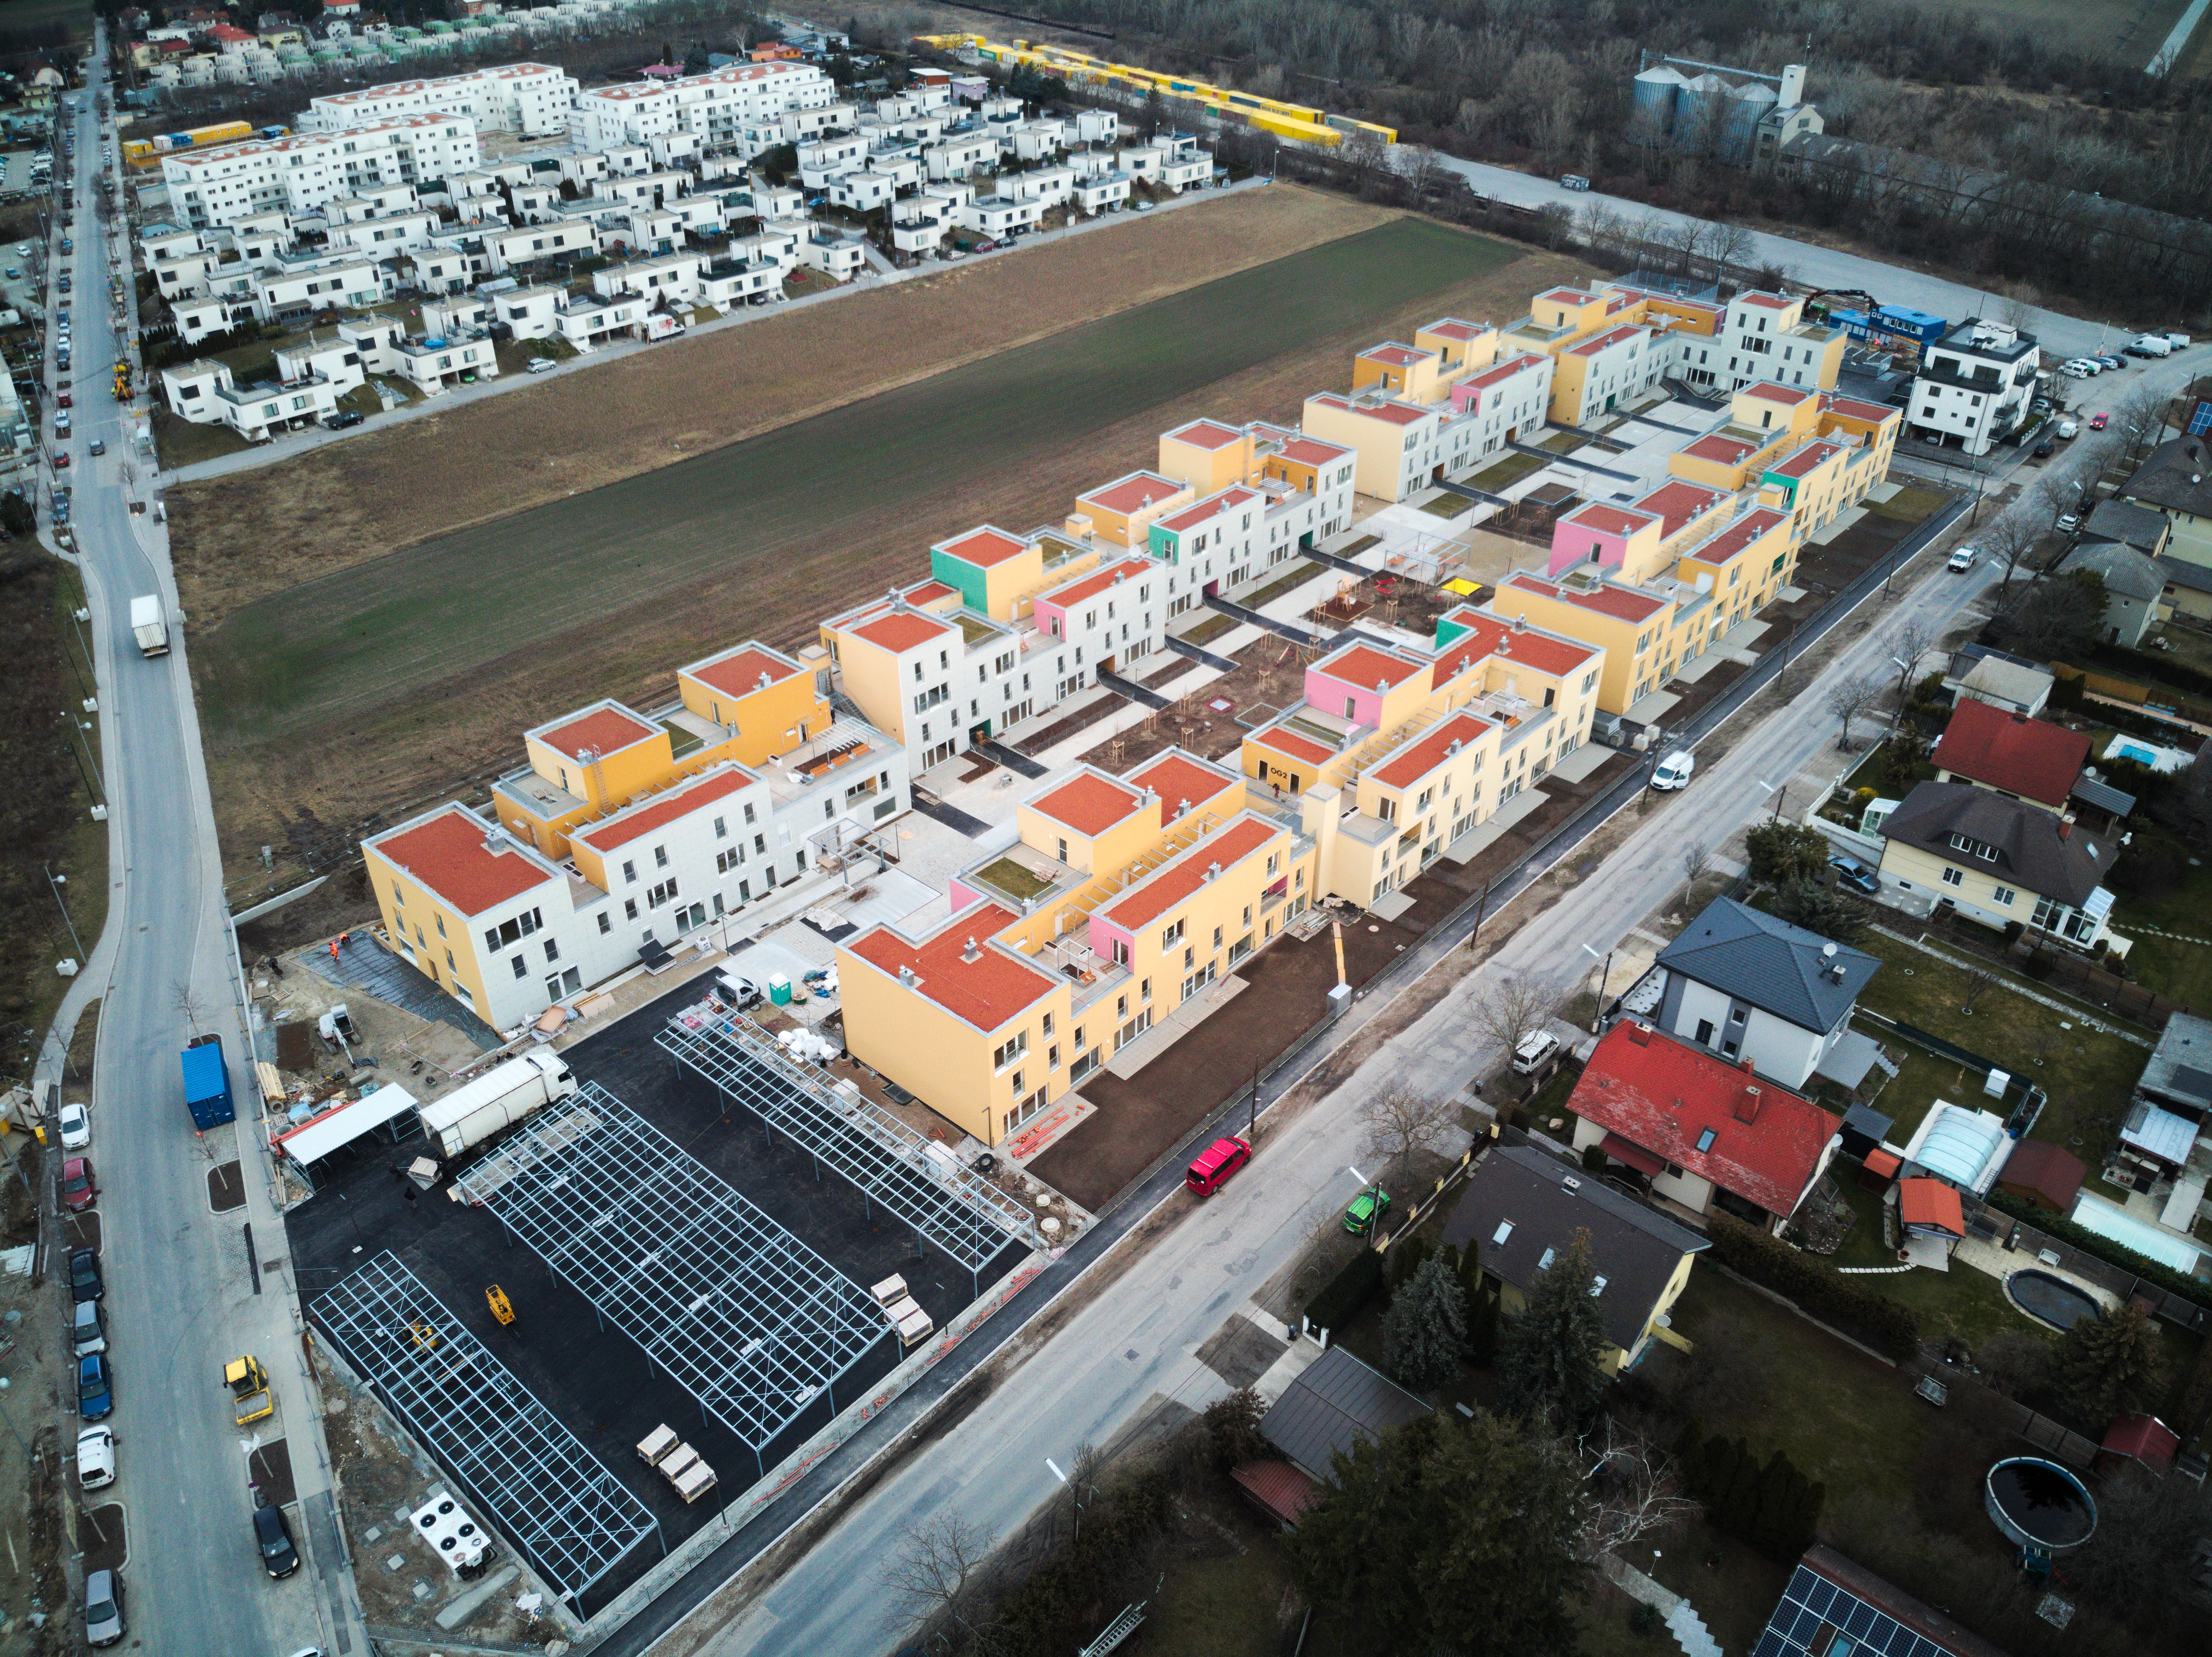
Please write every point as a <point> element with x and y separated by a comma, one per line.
<point>715,107</point>
<point>1973,388</point>
<point>325,284</point>
<point>298,174</point>
<point>531,99</point>
<point>310,381</point>
<point>659,868</point>
<point>962,155</point>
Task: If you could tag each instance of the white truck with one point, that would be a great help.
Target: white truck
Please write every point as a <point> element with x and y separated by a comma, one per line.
<point>148,626</point>
<point>495,1101</point>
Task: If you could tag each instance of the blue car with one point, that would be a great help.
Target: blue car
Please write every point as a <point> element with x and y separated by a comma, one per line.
<point>95,1388</point>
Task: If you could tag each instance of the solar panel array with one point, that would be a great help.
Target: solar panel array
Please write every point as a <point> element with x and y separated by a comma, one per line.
<point>2200,419</point>
<point>1812,1602</point>
<point>529,1475</point>
<point>960,1211</point>
<point>744,1316</point>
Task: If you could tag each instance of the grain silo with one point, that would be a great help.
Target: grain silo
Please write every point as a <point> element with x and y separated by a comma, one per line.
<point>1746,106</point>
<point>1698,109</point>
<point>1651,110</point>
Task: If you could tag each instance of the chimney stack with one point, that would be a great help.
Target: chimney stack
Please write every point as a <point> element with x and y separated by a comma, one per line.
<point>971,953</point>
<point>1746,1066</point>
<point>1640,1033</point>
<point>2065,827</point>
<point>1746,1106</point>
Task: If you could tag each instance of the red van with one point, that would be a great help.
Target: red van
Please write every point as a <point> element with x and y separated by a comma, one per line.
<point>1216,1163</point>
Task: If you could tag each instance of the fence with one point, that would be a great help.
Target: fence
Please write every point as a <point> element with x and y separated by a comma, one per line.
<point>2060,968</point>
<point>2043,1248</point>
<point>2042,1432</point>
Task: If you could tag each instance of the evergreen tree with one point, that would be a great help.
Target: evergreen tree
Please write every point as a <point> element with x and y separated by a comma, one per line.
<point>1406,1260</point>
<point>2109,1364</point>
<point>1690,1456</point>
<point>1425,1331</point>
<point>1482,1329</point>
<point>1470,1272</point>
<point>1448,1534</point>
<point>1548,1363</point>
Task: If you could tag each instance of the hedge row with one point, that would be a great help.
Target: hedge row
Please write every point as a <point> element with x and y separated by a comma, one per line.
<point>1774,1508</point>
<point>2159,669</point>
<point>1338,1300</point>
<point>1815,1285</point>
<point>2089,1242</point>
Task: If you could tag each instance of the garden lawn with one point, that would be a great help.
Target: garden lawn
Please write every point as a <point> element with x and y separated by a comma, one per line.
<point>2169,965</point>
<point>1514,465</point>
<point>1962,1304</point>
<point>2087,1072</point>
<point>1921,1079</point>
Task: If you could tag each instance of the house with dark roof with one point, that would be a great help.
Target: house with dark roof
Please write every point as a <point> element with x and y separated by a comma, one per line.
<point>1523,1207</point>
<point>1834,1607</point>
<point>1997,859</point>
<point>2175,481</point>
<point>1747,985</point>
<point>1335,1402</point>
<point>2012,683</point>
<point>2134,588</point>
<point>1695,1130</point>
<point>2011,754</point>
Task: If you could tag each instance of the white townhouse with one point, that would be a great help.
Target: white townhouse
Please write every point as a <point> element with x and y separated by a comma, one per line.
<point>716,107</point>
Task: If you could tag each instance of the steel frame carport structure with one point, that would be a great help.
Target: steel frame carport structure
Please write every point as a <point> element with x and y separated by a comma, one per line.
<point>512,1456</point>
<point>737,1309</point>
<point>962,1212</point>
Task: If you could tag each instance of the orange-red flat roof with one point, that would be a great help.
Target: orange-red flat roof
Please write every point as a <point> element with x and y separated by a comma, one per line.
<point>1452,328</point>
<point>1206,434</point>
<point>1177,777</point>
<point>1133,493</point>
<point>986,992</point>
<point>1807,458</point>
<point>1609,519</point>
<point>1418,759</point>
<point>1299,748</point>
<point>1393,355</point>
<point>1677,502</point>
<point>1207,509</point>
<point>984,547</point>
<point>1604,599</point>
<point>1177,880</point>
<point>1773,391</point>
<point>1364,666</point>
<point>603,731</point>
<point>739,672</point>
<point>1098,581</point>
<point>1489,635</point>
<point>1716,446</point>
<point>446,854</point>
<point>660,813</point>
<point>1088,803</point>
<point>1605,341</point>
<point>1737,536</point>
<point>901,630</point>
<point>1312,452</point>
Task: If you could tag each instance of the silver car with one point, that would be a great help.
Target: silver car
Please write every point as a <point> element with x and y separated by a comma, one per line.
<point>103,1607</point>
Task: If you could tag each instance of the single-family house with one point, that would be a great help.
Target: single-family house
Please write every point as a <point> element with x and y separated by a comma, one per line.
<point>1746,985</point>
<point>1998,859</point>
<point>1332,1405</point>
<point>2011,754</point>
<point>1834,1607</point>
<point>1698,1131</point>
<point>1522,1209</point>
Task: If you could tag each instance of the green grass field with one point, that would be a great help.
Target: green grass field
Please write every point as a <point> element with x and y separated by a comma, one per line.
<point>349,643</point>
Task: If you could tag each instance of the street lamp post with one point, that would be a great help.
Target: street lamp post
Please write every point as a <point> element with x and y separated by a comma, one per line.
<point>1780,795</point>
<point>1604,977</point>
<point>54,883</point>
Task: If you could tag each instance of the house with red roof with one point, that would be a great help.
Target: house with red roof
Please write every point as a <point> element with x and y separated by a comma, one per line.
<point>2010,753</point>
<point>1700,1131</point>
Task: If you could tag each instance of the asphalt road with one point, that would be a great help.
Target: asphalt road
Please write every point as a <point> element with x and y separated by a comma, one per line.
<point>181,1300</point>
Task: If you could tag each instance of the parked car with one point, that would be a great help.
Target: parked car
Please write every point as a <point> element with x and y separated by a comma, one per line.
<point>2042,405</point>
<point>543,364</point>
<point>274,1538</point>
<point>85,1281</point>
<point>103,1607</point>
<point>1852,873</point>
<point>61,399</point>
<point>98,446</point>
<point>1674,771</point>
<point>88,1328</point>
<point>95,1458</point>
<point>341,421</point>
<point>1573,181</point>
<point>95,1388</point>
<point>1210,1170</point>
<point>1961,560</point>
<point>77,1127</point>
<point>68,246</point>
<point>65,284</point>
<point>78,1191</point>
<point>2045,449</point>
<point>2068,430</point>
<point>2069,522</point>
<point>1534,1051</point>
<point>2099,422</point>
<point>1366,1209</point>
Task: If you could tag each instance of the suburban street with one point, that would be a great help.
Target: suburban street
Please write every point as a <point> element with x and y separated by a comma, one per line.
<point>186,1291</point>
<point>181,1299</point>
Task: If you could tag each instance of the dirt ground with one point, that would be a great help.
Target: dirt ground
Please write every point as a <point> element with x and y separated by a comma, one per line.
<point>235,538</point>
<point>405,751</point>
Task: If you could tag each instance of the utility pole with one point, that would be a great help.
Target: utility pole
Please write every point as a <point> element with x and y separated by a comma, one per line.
<point>54,884</point>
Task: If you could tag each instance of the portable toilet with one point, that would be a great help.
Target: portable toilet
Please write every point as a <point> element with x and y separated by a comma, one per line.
<point>779,989</point>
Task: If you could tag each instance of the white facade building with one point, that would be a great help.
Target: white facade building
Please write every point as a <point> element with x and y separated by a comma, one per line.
<point>531,98</point>
<point>300,173</point>
<point>715,107</point>
<point>1974,387</point>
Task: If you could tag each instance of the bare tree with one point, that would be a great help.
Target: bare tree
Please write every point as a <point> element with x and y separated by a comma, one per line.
<point>1914,640</point>
<point>1696,857</point>
<point>935,1567</point>
<point>1510,1013</point>
<point>1633,1489</point>
<point>2141,418</point>
<point>1849,700</point>
<point>187,1002</point>
<point>1730,247</point>
<point>1977,982</point>
<point>1399,1120</point>
<point>2009,543</point>
<point>1557,220</point>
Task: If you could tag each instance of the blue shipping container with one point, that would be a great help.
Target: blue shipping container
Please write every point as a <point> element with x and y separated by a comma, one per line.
<point>207,1085</point>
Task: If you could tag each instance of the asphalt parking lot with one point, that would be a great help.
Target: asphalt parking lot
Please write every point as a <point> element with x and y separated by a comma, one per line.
<point>596,1380</point>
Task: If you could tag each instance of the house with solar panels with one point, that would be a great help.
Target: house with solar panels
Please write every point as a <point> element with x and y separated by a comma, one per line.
<point>1833,1608</point>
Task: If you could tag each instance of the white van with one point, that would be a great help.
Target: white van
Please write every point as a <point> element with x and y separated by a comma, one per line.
<point>2150,344</point>
<point>2179,341</point>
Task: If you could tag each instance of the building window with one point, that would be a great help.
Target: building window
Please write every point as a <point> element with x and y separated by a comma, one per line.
<point>521,967</point>
<point>2004,895</point>
<point>606,923</point>
<point>630,874</point>
<point>629,909</point>
<point>552,949</point>
<point>1953,877</point>
<point>1168,939</point>
<point>1010,1051</point>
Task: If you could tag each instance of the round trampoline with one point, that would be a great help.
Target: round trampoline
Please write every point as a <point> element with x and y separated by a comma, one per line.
<point>2039,1504</point>
<point>2052,1299</point>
